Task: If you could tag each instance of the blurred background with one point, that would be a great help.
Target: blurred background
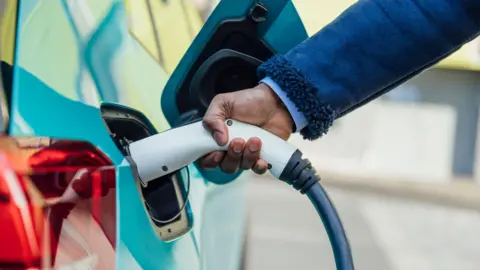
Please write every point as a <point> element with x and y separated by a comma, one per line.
<point>404,171</point>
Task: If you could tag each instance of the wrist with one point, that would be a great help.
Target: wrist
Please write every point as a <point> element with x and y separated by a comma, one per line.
<point>278,103</point>
<point>272,94</point>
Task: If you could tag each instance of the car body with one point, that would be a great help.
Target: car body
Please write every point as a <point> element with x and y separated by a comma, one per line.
<point>61,62</point>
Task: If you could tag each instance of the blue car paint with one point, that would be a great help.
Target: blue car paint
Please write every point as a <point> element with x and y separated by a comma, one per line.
<point>46,102</point>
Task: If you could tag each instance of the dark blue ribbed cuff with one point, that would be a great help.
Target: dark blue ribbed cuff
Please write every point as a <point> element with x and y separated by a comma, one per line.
<point>301,92</point>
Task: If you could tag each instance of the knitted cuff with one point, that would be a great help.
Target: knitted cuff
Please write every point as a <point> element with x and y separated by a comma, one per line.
<point>302,93</point>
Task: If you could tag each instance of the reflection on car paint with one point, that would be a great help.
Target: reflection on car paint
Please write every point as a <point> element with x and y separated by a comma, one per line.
<point>60,199</point>
<point>83,23</point>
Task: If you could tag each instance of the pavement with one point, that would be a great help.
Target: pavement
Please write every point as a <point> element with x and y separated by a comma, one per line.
<point>386,231</point>
<point>461,193</point>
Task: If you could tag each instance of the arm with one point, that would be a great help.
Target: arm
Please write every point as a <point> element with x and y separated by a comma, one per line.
<point>368,50</point>
<point>372,47</point>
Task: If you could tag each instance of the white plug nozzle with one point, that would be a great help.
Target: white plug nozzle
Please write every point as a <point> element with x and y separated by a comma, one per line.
<point>173,149</point>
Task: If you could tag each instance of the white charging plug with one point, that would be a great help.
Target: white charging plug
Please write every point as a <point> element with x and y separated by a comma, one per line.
<point>173,149</point>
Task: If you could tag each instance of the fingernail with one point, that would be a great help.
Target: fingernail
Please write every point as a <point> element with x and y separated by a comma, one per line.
<point>237,149</point>
<point>216,158</point>
<point>253,147</point>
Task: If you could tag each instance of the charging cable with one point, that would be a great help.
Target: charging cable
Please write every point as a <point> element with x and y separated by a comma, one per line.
<point>300,174</point>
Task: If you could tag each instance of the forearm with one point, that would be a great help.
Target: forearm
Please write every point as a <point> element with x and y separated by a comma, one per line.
<point>372,47</point>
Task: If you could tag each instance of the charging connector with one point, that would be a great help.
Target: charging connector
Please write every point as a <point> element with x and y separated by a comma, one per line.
<point>299,173</point>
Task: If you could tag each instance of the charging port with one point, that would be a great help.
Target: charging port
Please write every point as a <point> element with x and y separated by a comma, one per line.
<point>164,197</point>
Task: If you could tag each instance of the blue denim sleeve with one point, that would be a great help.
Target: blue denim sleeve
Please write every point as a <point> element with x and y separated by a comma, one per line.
<point>371,48</point>
<point>298,117</point>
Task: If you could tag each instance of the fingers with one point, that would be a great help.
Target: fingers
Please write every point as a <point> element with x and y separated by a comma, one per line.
<point>251,153</point>
<point>231,161</point>
<point>214,119</point>
<point>260,167</point>
<point>211,160</point>
<point>241,155</point>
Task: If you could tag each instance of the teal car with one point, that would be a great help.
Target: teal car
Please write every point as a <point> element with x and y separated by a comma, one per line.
<point>83,78</point>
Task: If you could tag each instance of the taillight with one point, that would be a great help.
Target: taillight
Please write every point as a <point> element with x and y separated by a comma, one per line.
<point>57,205</point>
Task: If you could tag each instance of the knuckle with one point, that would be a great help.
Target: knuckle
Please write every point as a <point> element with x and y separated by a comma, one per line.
<point>219,99</point>
<point>207,122</point>
<point>209,119</point>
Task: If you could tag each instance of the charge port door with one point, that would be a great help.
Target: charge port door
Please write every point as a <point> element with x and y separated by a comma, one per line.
<point>165,199</point>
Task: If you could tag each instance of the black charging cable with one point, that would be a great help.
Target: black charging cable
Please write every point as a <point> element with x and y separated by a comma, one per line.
<point>300,174</point>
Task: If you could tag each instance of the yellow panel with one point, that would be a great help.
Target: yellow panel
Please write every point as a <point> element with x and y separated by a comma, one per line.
<point>467,58</point>
<point>316,14</point>
<point>8,28</point>
<point>140,25</point>
<point>177,23</point>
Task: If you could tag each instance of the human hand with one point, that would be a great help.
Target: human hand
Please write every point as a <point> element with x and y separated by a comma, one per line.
<point>259,106</point>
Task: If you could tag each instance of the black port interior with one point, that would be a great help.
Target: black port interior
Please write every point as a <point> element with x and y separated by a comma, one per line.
<point>126,130</point>
<point>125,126</point>
<point>238,35</point>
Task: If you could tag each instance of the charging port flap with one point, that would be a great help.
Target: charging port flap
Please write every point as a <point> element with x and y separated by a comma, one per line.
<point>165,198</point>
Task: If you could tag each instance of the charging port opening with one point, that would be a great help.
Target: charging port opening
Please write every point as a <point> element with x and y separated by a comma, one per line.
<point>162,197</point>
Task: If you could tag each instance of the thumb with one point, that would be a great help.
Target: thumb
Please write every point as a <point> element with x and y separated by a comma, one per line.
<point>214,119</point>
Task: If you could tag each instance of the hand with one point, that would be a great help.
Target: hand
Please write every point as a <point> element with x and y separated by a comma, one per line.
<point>259,106</point>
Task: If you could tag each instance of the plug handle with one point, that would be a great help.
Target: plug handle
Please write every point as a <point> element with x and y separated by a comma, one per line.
<point>166,152</point>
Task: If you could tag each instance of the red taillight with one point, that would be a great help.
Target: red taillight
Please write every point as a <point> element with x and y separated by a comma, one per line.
<point>56,203</point>
<point>20,221</point>
<point>71,163</point>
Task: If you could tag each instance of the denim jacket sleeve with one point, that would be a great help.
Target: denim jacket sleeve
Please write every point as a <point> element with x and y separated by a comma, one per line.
<point>372,47</point>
